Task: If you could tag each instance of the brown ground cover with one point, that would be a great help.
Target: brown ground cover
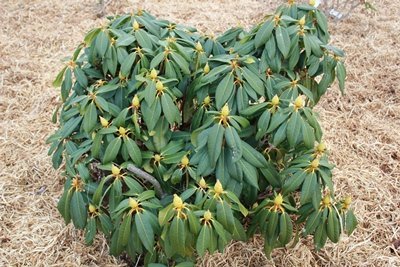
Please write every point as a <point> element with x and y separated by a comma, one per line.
<point>361,129</point>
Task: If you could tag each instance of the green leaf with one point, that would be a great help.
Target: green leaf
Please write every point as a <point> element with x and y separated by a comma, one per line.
<point>112,150</point>
<point>234,142</point>
<point>272,226</point>
<point>81,77</point>
<point>253,156</point>
<point>294,128</point>
<point>126,66</point>
<point>151,114</point>
<point>282,40</point>
<point>78,210</point>
<point>333,226</point>
<point>351,222</point>
<point>57,82</point>
<point>177,235</point>
<point>90,118</point>
<point>341,75</point>
<point>264,33</point>
<point>236,200</point>
<point>215,72</point>
<point>143,39</point>
<point>169,108</point>
<point>214,143</point>
<point>255,82</point>
<point>203,241</point>
<point>225,215</point>
<point>320,237</point>
<point>66,85</point>
<point>250,173</point>
<point>125,40</point>
<point>285,228</point>
<point>294,182</point>
<point>309,184</point>
<point>312,222</point>
<point>107,88</point>
<point>224,90</point>
<point>102,43</point>
<point>63,205</point>
<point>90,231</point>
<point>133,150</point>
<point>182,63</point>
<point>124,230</point>
<point>145,230</point>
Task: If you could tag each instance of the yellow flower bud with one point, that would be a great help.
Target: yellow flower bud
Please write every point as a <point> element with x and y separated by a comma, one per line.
<point>207,216</point>
<point>177,202</point>
<point>203,183</point>
<point>115,170</point>
<point>103,122</point>
<point>185,161</point>
<point>347,201</point>
<point>206,68</point>
<point>327,200</point>
<point>312,2</point>
<point>159,86</point>
<point>135,101</point>
<point>207,100</point>
<point>302,21</point>
<point>278,200</point>
<point>225,110</point>
<point>153,74</point>
<point>299,103</point>
<point>92,208</point>
<point>133,203</point>
<point>122,131</point>
<point>218,188</point>
<point>275,100</point>
<point>157,158</point>
<point>199,47</point>
<point>314,164</point>
<point>136,25</point>
<point>321,147</point>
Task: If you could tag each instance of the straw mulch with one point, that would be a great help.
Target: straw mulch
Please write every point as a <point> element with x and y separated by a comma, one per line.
<point>361,129</point>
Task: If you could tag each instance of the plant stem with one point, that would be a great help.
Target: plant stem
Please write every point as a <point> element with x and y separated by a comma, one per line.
<point>149,178</point>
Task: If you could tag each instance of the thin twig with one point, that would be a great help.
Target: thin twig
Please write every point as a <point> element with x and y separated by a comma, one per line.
<point>149,178</point>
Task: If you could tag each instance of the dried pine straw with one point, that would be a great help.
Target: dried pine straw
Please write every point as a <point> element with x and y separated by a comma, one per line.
<point>361,130</point>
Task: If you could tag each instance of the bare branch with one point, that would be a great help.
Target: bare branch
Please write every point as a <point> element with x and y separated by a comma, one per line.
<point>149,178</point>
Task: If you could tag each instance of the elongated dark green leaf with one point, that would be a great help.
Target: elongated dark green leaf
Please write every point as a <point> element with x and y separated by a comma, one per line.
<point>224,90</point>
<point>320,237</point>
<point>282,40</point>
<point>90,231</point>
<point>63,205</point>
<point>90,118</point>
<point>252,156</point>
<point>294,128</point>
<point>78,210</point>
<point>126,66</point>
<point>250,173</point>
<point>170,110</point>
<point>151,114</point>
<point>125,40</point>
<point>107,88</point>
<point>177,235</point>
<point>203,241</point>
<point>255,82</point>
<point>102,43</point>
<point>333,226</point>
<point>312,222</point>
<point>308,187</point>
<point>225,215</point>
<point>143,39</point>
<point>264,33</point>
<point>215,72</point>
<point>57,82</point>
<point>124,230</point>
<point>214,143</point>
<point>294,182</point>
<point>112,150</point>
<point>351,222</point>
<point>66,84</point>
<point>81,77</point>
<point>341,75</point>
<point>234,142</point>
<point>182,63</point>
<point>272,227</point>
<point>133,151</point>
<point>285,228</point>
<point>145,230</point>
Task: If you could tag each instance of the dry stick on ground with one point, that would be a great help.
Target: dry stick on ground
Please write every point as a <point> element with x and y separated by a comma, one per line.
<point>149,178</point>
